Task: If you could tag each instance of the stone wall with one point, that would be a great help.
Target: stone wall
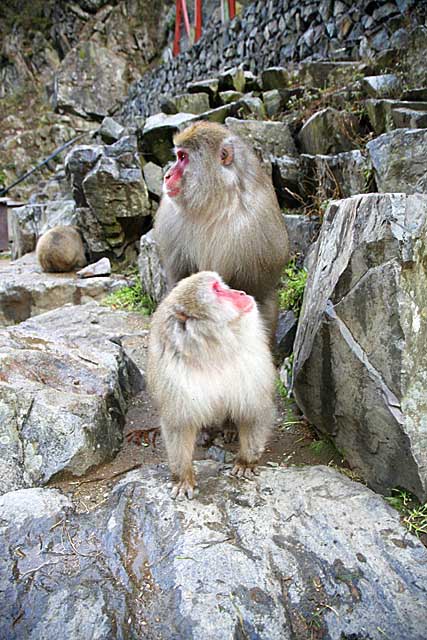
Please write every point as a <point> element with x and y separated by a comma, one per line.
<point>275,32</point>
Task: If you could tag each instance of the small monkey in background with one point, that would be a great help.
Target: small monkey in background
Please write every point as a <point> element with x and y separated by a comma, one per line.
<point>219,212</point>
<point>209,360</point>
<point>61,250</point>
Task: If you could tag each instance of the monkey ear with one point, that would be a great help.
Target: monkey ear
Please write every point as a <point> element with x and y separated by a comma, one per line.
<point>227,154</point>
<point>181,316</point>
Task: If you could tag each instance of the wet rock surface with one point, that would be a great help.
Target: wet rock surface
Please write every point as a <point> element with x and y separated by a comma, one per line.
<point>302,552</point>
<point>328,132</point>
<point>266,559</point>
<point>111,198</point>
<point>398,160</point>
<point>90,82</point>
<point>360,340</point>
<point>65,382</point>
<point>26,291</point>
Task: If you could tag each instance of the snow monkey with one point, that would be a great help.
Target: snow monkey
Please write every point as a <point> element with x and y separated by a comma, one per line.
<point>61,250</point>
<point>209,360</point>
<point>219,212</point>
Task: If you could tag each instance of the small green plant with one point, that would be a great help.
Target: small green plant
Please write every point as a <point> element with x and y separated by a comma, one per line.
<point>318,446</point>
<point>292,285</point>
<point>281,389</point>
<point>131,298</point>
<point>414,514</point>
<point>2,178</point>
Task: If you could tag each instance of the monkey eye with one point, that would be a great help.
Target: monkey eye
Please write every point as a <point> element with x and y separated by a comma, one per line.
<point>181,155</point>
<point>216,286</point>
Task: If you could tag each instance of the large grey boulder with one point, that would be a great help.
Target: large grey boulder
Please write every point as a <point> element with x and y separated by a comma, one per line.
<point>298,549</point>
<point>383,86</point>
<point>64,386</point>
<point>191,102</point>
<point>58,213</point>
<point>112,198</point>
<point>324,73</point>
<point>399,160</point>
<point>90,82</point>
<point>341,175</point>
<point>302,232</point>
<point>24,225</point>
<point>275,78</point>
<point>156,139</point>
<point>29,222</point>
<point>26,291</point>
<point>289,179</point>
<point>409,118</point>
<point>381,113</point>
<point>87,601</point>
<point>153,277</point>
<point>232,79</point>
<point>110,130</point>
<point>153,176</point>
<point>329,131</point>
<point>269,139</point>
<point>360,359</point>
<point>209,86</point>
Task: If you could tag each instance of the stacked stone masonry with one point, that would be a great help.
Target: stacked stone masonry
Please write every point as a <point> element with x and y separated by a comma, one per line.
<point>277,32</point>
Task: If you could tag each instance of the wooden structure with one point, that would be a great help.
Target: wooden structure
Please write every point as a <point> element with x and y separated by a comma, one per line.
<point>228,11</point>
<point>5,204</point>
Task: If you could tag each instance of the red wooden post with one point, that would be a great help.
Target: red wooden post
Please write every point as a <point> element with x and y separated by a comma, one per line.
<point>186,20</point>
<point>181,12</point>
<point>232,8</point>
<point>198,19</point>
<point>176,47</point>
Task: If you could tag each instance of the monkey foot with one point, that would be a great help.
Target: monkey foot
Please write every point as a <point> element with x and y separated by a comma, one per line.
<point>182,490</point>
<point>243,470</point>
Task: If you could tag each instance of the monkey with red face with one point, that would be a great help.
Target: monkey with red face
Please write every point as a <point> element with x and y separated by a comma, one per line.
<point>209,361</point>
<point>219,212</point>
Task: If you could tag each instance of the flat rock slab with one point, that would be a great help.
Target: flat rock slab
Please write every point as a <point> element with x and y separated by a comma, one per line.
<point>25,290</point>
<point>65,382</point>
<point>296,550</point>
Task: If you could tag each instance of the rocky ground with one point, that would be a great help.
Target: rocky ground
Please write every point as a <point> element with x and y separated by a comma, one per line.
<point>91,545</point>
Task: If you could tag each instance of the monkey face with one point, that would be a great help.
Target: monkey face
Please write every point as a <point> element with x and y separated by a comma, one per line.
<point>172,180</point>
<point>204,167</point>
<point>240,301</point>
<point>224,304</point>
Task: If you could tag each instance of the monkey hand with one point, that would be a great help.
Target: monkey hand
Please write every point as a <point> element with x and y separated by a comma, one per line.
<point>245,470</point>
<point>183,489</point>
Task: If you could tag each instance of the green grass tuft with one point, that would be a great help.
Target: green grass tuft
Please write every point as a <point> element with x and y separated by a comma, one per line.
<point>292,285</point>
<point>414,514</point>
<point>131,298</point>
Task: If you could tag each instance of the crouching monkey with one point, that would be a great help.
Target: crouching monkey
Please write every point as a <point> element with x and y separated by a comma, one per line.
<point>61,250</point>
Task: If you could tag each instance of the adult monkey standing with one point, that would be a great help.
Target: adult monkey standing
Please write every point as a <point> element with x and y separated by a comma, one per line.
<point>219,212</point>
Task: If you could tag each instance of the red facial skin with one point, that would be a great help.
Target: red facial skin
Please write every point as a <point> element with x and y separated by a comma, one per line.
<point>172,179</point>
<point>241,301</point>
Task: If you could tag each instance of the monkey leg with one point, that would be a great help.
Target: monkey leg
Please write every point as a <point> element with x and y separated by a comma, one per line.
<point>253,435</point>
<point>180,447</point>
<point>269,310</point>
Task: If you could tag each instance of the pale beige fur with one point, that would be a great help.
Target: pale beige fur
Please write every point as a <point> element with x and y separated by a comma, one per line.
<point>213,366</point>
<point>226,218</point>
<point>61,250</point>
